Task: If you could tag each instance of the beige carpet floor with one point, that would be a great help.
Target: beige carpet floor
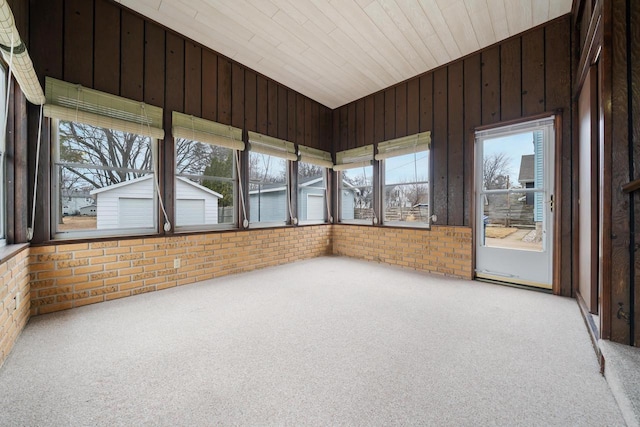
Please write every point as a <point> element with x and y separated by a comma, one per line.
<point>328,341</point>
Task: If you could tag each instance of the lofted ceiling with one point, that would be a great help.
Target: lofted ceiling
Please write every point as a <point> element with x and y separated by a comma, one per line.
<point>337,51</point>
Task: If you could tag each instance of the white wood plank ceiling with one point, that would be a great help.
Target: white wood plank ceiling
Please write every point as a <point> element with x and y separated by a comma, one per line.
<point>336,51</point>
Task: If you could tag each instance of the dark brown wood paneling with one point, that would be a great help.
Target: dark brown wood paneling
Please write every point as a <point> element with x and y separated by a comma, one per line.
<point>389,114</point>
<point>439,147</point>
<point>224,90</point>
<point>359,123</point>
<point>209,85</point>
<point>262,104</point>
<point>308,122</point>
<point>192,79</point>
<point>510,80</point>
<point>344,127</point>
<point>401,110</point>
<point>78,42</point>
<point>455,149</point>
<point>558,97</point>
<point>174,95</point>
<point>154,51</point>
<point>620,174</point>
<point>106,50</point>
<point>174,101</point>
<point>634,50</point>
<point>291,116</point>
<point>533,72</point>
<point>379,117</point>
<point>131,56</point>
<point>472,119</point>
<point>491,85</point>
<point>237,96</point>
<point>282,113</point>
<point>315,124</point>
<point>46,20</point>
<point>250,96</point>
<point>272,108</point>
<point>300,106</point>
<point>413,106</point>
<point>351,125</point>
<point>426,102</point>
<point>335,127</point>
<point>369,117</point>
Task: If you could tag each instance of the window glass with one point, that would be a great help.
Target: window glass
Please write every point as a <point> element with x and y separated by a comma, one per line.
<point>268,198</point>
<point>312,185</point>
<point>406,189</point>
<point>103,181</point>
<point>205,185</point>
<point>356,194</point>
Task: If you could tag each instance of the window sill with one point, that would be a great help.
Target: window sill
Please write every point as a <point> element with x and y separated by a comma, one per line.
<point>9,251</point>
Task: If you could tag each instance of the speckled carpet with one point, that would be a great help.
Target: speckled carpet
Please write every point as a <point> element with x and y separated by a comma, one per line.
<point>328,341</point>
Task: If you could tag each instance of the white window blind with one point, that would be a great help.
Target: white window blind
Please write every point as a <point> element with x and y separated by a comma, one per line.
<point>354,158</point>
<point>405,145</point>
<point>15,53</point>
<point>272,146</point>
<point>206,131</point>
<point>315,157</point>
<point>72,102</point>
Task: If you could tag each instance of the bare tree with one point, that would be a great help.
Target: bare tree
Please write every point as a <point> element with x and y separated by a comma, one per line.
<point>496,171</point>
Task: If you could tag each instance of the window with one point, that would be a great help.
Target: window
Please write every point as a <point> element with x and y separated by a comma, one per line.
<point>3,159</point>
<point>312,185</point>
<point>355,185</point>
<point>206,178</point>
<point>405,180</point>
<point>269,193</point>
<point>103,181</point>
<point>104,161</point>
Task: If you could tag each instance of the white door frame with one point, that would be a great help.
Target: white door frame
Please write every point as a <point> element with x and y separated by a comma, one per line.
<point>531,268</point>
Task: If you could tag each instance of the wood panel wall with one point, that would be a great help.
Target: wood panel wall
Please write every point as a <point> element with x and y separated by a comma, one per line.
<point>523,76</point>
<point>99,44</point>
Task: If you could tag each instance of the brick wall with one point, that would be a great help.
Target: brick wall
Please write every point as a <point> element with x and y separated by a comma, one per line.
<point>441,250</point>
<point>14,279</point>
<point>72,275</point>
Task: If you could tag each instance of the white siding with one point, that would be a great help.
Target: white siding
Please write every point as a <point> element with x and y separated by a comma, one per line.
<point>186,194</point>
<point>315,207</point>
<point>189,212</point>
<point>268,207</point>
<point>108,203</point>
<point>135,213</point>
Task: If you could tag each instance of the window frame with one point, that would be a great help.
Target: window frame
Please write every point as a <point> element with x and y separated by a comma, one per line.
<point>287,185</point>
<point>234,180</point>
<point>325,178</point>
<point>339,186</point>
<point>56,195</point>
<point>428,182</point>
<point>4,189</point>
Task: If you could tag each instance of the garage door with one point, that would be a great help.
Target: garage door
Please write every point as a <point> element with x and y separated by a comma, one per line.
<point>135,213</point>
<point>189,212</point>
<point>315,207</point>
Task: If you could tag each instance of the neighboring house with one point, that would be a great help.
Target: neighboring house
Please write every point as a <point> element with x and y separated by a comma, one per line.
<point>89,210</point>
<point>530,175</point>
<point>131,204</point>
<point>525,177</point>
<point>269,202</point>
<point>73,200</point>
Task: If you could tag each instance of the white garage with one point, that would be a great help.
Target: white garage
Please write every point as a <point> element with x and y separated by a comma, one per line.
<point>132,204</point>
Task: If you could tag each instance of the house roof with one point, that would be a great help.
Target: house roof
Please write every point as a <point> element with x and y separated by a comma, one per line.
<point>147,177</point>
<point>335,52</point>
<point>526,169</point>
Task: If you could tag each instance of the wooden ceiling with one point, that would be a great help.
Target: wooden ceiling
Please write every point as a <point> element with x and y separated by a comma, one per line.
<point>337,51</point>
